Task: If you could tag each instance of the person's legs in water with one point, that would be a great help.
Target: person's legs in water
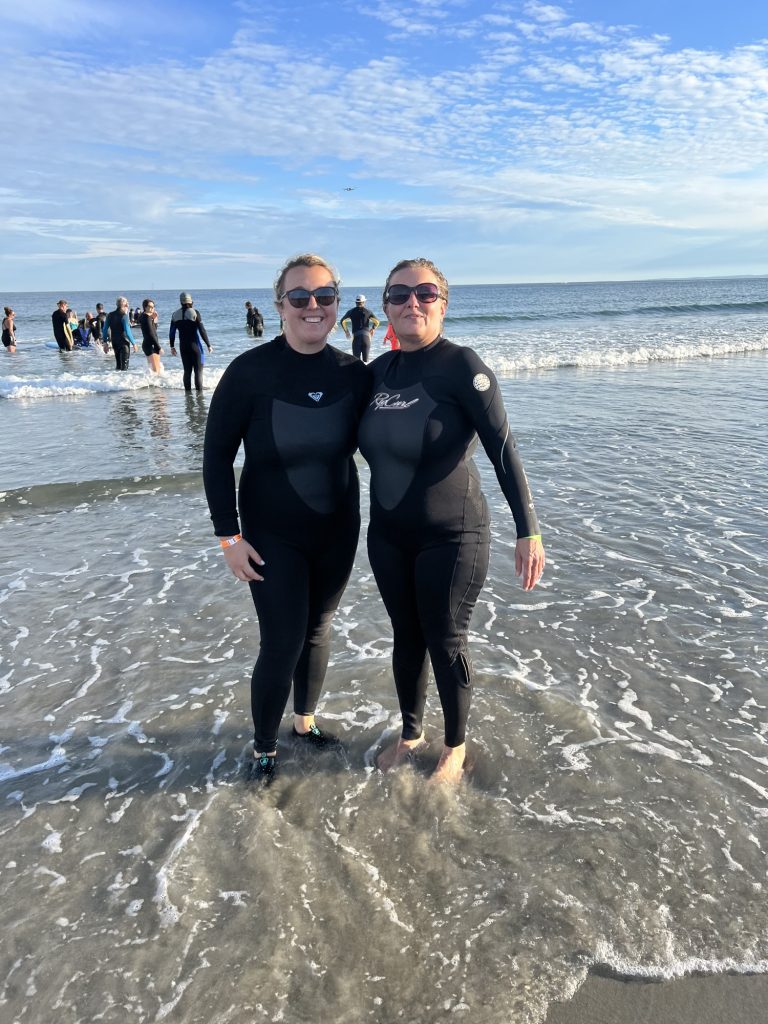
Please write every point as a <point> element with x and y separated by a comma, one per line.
<point>330,563</point>
<point>192,361</point>
<point>361,345</point>
<point>282,602</point>
<point>449,578</point>
<point>394,568</point>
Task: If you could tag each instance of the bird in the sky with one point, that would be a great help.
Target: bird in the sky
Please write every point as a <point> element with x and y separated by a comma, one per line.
<point>349,189</point>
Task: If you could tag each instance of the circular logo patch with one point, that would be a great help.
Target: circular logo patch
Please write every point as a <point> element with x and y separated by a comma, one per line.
<point>481,382</point>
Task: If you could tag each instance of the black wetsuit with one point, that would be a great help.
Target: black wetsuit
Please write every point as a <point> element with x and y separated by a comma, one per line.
<point>188,322</point>
<point>360,317</point>
<point>117,328</point>
<point>298,501</point>
<point>59,319</point>
<point>258,324</point>
<point>9,336</point>
<point>149,344</point>
<point>94,325</point>
<point>429,534</point>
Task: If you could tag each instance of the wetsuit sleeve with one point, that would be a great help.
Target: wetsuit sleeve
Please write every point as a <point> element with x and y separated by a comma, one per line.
<point>172,333</point>
<point>127,330</point>
<point>107,326</point>
<point>481,399</point>
<point>228,418</point>
<point>202,330</point>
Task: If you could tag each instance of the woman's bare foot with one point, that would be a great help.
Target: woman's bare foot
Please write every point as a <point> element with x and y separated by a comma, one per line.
<point>303,723</point>
<point>399,753</point>
<point>450,767</point>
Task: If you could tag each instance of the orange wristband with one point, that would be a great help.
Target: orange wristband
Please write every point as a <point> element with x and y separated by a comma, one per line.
<point>229,542</point>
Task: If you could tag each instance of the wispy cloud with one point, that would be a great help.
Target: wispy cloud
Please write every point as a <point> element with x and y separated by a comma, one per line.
<point>522,117</point>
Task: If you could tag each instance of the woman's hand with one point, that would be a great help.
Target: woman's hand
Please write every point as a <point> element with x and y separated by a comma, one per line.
<point>529,561</point>
<point>238,558</point>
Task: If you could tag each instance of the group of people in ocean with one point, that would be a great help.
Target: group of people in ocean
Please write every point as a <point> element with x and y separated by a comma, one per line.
<point>301,408</point>
<point>102,331</point>
<point>114,329</point>
<point>71,331</point>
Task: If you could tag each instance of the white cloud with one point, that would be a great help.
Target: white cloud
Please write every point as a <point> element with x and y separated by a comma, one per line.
<point>547,13</point>
<point>164,160</point>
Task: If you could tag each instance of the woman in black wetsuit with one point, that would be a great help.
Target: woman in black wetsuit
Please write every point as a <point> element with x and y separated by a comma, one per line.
<point>429,534</point>
<point>294,403</point>
<point>9,330</point>
<point>150,343</point>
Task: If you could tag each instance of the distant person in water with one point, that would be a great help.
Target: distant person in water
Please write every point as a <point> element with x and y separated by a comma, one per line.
<point>150,343</point>
<point>80,334</point>
<point>9,330</point>
<point>258,323</point>
<point>117,328</point>
<point>189,325</point>
<point>101,316</point>
<point>363,324</point>
<point>61,329</point>
<point>94,328</point>
<point>249,317</point>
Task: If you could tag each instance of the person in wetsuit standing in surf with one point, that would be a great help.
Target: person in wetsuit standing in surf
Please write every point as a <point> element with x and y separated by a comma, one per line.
<point>429,533</point>
<point>294,403</point>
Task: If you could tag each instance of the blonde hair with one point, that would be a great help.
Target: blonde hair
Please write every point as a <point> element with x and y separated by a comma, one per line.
<point>305,259</point>
<point>425,264</point>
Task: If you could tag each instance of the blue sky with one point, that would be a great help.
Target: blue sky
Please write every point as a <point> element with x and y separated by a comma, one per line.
<point>199,144</point>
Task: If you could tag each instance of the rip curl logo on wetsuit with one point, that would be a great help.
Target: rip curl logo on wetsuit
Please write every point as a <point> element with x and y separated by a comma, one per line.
<point>315,395</point>
<point>387,401</point>
<point>481,382</point>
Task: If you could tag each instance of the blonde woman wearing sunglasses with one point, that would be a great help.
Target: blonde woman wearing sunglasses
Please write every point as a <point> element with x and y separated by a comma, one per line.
<point>429,534</point>
<point>291,532</point>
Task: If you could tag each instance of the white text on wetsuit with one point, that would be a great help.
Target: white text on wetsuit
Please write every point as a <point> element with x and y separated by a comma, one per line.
<point>385,401</point>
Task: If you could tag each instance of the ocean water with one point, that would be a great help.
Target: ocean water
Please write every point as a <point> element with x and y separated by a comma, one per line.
<point>616,814</point>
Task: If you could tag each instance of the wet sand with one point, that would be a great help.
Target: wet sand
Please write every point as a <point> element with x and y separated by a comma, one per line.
<point>735,998</point>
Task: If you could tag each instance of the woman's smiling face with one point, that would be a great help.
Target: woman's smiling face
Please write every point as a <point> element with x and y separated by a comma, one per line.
<point>307,329</point>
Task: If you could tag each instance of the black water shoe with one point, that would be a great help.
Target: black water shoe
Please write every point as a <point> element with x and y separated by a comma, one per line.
<point>263,769</point>
<point>316,737</point>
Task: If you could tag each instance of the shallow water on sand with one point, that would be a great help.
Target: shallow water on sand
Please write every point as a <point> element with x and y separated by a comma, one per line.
<point>615,812</point>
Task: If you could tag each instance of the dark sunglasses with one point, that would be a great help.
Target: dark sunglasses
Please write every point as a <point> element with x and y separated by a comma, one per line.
<point>398,294</point>
<point>299,297</point>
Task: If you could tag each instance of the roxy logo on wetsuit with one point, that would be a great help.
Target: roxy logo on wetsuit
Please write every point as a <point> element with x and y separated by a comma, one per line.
<point>386,401</point>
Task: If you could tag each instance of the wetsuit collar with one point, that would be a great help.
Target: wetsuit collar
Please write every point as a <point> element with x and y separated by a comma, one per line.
<point>409,352</point>
<point>283,343</point>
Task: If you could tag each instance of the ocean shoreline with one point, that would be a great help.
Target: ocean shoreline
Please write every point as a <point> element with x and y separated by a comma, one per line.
<point>616,811</point>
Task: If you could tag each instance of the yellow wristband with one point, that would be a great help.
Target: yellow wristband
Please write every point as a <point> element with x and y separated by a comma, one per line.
<point>229,542</point>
